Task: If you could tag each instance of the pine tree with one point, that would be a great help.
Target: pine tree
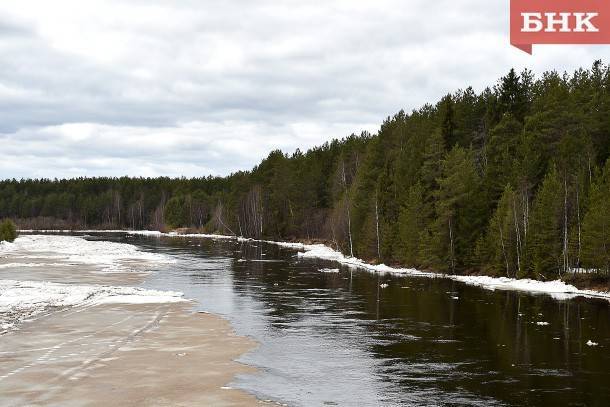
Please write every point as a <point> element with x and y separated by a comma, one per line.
<point>545,242</point>
<point>176,212</point>
<point>8,231</point>
<point>411,222</point>
<point>505,237</point>
<point>596,225</point>
<point>457,185</point>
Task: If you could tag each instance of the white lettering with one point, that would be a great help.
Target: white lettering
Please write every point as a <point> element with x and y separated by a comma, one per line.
<point>532,22</point>
<point>584,19</point>
<point>551,22</point>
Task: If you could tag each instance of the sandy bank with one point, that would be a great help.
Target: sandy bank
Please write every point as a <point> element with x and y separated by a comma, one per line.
<point>78,333</point>
<point>124,355</point>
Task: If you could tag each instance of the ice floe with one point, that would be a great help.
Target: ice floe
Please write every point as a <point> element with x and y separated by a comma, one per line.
<point>326,270</point>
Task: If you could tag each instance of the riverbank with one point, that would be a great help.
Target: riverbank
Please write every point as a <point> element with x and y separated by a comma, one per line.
<point>136,355</point>
<point>76,330</point>
<point>398,340</point>
<point>573,286</point>
<point>558,289</point>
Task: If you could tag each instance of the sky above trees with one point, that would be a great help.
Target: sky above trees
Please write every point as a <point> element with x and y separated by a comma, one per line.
<point>206,87</point>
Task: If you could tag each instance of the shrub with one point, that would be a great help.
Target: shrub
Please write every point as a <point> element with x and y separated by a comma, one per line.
<point>8,231</point>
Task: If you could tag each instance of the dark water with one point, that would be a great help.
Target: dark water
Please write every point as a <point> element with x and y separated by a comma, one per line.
<point>341,339</point>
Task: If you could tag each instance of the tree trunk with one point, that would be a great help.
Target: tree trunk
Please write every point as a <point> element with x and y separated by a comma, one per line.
<point>504,250</point>
<point>349,220</point>
<point>377,227</point>
<point>451,248</point>
<point>566,265</point>
<point>517,234</point>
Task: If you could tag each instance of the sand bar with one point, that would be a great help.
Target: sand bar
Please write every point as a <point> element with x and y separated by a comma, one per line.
<point>122,354</point>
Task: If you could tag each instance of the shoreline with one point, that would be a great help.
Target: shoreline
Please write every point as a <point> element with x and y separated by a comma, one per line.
<point>168,355</point>
<point>87,330</point>
<point>557,289</point>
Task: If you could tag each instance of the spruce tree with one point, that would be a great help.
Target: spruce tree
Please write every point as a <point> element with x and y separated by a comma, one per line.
<point>411,222</point>
<point>545,242</point>
<point>596,226</point>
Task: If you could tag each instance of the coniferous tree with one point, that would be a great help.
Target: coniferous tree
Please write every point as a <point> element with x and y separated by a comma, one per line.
<point>504,181</point>
<point>596,226</point>
<point>8,231</point>
<point>545,242</point>
<point>411,223</point>
<point>455,193</point>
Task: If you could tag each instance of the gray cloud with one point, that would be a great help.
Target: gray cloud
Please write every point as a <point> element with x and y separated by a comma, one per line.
<point>206,87</point>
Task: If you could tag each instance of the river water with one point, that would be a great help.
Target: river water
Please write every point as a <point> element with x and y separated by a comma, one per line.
<point>355,338</point>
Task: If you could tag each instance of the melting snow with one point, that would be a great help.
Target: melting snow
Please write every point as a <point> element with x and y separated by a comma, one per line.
<point>20,300</point>
<point>111,256</point>
<point>23,299</point>
<point>557,289</point>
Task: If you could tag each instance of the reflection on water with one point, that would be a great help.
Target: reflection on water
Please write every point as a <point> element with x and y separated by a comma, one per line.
<point>348,339</point>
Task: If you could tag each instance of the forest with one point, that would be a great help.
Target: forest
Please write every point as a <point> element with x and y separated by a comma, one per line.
<point>512,181</point>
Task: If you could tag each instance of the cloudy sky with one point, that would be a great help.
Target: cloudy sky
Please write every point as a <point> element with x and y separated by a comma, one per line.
<point>153,87</point>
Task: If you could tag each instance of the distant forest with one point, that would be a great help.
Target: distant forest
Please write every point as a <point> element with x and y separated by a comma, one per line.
<point>513,181</point>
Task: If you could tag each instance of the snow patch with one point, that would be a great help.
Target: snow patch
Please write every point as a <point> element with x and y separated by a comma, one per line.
<point>111,256</point>
<point>70,231</point>
<point>21,300</point>
<point>154,233</point>
<point>15,265</point>
<point>556,289</point>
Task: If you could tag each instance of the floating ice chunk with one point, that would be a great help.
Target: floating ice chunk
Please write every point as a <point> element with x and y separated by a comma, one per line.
<point>329,270</point>
<point>384,285</point>
<point>591,343</point>
<point>542,323</point>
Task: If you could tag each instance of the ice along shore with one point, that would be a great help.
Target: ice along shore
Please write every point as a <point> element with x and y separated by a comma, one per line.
<point>556,289</point>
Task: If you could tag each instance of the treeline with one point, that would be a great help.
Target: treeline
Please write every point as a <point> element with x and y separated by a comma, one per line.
<point>511,181</point>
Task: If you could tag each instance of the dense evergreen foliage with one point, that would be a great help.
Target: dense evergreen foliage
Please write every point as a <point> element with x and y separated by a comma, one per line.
<point>513,181</point>
<point>8,231</point>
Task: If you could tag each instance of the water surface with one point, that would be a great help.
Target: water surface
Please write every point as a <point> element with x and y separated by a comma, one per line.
<point>343,339</point>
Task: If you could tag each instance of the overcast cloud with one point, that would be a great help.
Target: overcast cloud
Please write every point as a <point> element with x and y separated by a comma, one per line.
<point>194,88</point>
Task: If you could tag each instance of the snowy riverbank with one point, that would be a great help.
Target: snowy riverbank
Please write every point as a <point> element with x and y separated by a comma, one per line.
<point>556,289</point>
<point>60,264</point>
<point>70,250</point>
<point>20,300</point>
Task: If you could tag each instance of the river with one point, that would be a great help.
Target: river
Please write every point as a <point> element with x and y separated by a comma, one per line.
<point>357,338</point>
